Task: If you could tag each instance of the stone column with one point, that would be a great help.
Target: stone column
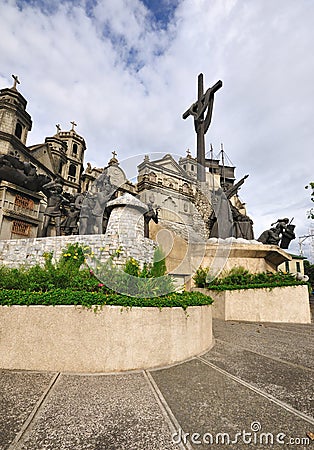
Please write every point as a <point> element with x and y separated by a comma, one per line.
<point>125,230</point>
<point>126,220</point>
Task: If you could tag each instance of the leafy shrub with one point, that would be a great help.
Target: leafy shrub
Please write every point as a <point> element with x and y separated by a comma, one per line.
<point>200,276</point>
<point>158,268</point>
<point>132,280</point>
<point>105,278</point>
<point>132,267</point>
<point>235,276</point>
<point>72,257</point>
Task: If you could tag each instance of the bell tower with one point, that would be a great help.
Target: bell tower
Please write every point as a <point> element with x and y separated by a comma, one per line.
<point>15,122</point>
<point>75,148</point>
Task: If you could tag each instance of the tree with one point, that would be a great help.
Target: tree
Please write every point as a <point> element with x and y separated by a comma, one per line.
<point>311,211</point>
<point>309,271</point>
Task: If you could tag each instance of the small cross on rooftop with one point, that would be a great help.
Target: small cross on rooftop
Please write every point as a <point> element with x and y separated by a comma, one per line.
<point>73,125</point>
<point>16,81</point>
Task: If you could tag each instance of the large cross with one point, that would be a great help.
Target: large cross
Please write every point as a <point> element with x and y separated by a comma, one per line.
<point>16,81</point>
<point>114,154</point>
<point>73,125</point>
<point>203,105</point>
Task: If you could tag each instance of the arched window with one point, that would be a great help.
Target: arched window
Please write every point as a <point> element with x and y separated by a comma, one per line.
<point>72,170</point>
<point>18,130</point>
<point>74,149</point>
<point>192,168</point>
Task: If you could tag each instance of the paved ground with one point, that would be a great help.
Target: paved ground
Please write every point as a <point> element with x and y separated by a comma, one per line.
<point>257,379</point>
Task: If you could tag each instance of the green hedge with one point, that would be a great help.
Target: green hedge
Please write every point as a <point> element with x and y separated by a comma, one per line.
<point>235,287</point>
<point>241,278</point>
<point>89,299</point>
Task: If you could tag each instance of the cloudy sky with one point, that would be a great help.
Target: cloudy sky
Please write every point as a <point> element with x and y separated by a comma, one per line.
<point>126,70</point>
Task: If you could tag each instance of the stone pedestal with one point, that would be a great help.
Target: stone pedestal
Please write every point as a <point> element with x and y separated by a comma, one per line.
<point>184,257</point>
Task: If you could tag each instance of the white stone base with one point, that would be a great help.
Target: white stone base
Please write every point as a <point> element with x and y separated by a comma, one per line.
<point>289,304</point>
<point>18,252</point>
<point>76,339</point>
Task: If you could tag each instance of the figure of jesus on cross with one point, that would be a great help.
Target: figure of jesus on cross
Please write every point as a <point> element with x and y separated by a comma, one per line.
<point>204,104</point>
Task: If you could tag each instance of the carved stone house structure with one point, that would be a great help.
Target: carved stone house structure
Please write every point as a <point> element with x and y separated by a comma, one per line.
<point>62,155</point>
<point>172,186</point>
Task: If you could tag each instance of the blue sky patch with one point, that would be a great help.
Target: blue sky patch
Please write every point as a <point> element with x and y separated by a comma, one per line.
<point>162,10</point>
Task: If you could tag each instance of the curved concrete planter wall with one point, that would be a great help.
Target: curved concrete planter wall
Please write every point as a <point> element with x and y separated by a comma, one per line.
<point>280,304</point>
<point>76,339</point>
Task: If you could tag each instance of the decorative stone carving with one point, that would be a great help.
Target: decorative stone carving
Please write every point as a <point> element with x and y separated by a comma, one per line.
<point>23,174</point>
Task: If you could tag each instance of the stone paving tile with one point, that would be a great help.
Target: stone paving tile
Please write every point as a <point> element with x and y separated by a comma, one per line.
<point>99,412</point>
<point>19,393</point>
<point>204,400</point>
<point>288,383</point>
<point>292,347</point>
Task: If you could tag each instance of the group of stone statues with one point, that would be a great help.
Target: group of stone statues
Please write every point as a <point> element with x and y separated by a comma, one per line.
<point>226,220</point>
<point>281,233</point>
<point>84,213</point>
<point>81,213</point>
<point>87,213</point>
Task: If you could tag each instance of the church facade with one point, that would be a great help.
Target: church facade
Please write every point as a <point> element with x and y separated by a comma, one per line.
<point>166,184</point>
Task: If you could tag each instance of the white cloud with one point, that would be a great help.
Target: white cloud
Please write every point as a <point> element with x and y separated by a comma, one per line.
<point>126,82</point>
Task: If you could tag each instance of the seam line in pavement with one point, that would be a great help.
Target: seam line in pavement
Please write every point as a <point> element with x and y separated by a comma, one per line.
<point>265,356</point>
<point>34,412</point>
<point>165,409</point>
<point>310,327</point>
<point>260,392</point>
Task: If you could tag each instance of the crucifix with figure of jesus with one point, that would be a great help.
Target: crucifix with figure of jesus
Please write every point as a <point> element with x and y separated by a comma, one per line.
<point>202,111</point>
